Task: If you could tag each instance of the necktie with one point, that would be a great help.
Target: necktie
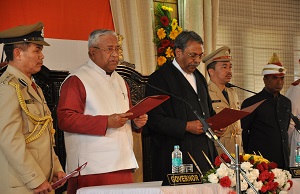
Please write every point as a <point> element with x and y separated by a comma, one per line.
<point>225,95</point>
<point>34,86</point>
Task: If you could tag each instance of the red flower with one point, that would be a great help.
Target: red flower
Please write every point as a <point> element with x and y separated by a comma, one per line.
<point>225,158</point>
<point>225,181</point>
<point>165,43</point>
<point>265,165</point>
<point>164,20</point>
<point>241,158</point>
<point>272,165</point>
<point>291,184</point>
<point>218,161</point>
<point>275,185</point>
<point>271,176</point>
<point>264,175</point>
<point>260,167</point>
<point>264,188</point>
<point>161,50</point>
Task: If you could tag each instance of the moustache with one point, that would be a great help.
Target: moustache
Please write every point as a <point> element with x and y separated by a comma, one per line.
<point>194,65</point>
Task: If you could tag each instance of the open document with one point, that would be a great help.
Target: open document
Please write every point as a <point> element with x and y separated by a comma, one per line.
<point>228,116</point>
<point>71,174</point>
<point>146,105</point>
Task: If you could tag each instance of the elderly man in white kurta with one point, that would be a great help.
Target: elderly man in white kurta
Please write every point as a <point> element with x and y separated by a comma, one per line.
<point>92,112</point>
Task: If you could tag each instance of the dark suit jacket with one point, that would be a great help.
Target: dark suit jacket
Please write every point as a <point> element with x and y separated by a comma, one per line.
<point>167,122</point>
<point>265,129</point>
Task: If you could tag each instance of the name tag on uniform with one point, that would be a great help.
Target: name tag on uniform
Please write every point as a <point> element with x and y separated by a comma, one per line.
<point>29,101</point>
<point>214,101</point>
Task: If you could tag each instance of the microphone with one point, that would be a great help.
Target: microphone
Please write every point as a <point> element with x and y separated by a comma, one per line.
<point>206,127</point>
<point>229,85</point>
<point>293,117</point>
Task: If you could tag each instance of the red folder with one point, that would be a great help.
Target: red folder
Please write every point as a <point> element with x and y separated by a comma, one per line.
<point>228,116</point>
<point>146,105</point>
<point>60,181</point>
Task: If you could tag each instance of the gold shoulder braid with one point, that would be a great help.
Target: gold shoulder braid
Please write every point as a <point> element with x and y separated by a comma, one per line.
<point>35,120</point>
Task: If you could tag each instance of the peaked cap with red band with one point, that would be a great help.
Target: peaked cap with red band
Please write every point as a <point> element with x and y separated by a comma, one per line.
<point>221,54</point>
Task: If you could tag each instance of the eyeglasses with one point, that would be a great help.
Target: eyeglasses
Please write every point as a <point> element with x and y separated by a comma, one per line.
<point>195,56</point>
<point>109,50</point>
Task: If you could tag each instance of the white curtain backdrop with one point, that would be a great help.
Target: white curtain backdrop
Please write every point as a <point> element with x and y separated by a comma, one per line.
<point>133,19</point>
<point>201,16</point>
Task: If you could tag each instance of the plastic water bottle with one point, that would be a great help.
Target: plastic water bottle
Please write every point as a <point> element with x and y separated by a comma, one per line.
<point>176,160</point>
<point>297,155</point>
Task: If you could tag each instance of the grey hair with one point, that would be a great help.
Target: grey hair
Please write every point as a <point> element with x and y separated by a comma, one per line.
<point>184,38</point>
<point>94,36</point>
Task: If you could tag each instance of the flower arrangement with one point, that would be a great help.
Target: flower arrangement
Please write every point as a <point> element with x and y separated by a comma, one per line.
<point>166,30</point>
<point>264,175</point>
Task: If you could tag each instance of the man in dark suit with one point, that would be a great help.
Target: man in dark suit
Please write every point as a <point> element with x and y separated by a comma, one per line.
<point>265,130</point>
<point>174,122</point>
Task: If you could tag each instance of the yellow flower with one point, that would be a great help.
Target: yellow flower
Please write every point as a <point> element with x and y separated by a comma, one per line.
<point>166,8</point>
<point>174,24</point>
<point>173,34</point>
<point>179,29</point>
<point>161,60</point>
<point>246,157</point>
<point>161,33</point>
<point>169,52</point>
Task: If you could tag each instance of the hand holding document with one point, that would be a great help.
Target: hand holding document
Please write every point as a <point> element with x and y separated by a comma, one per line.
<point>60,181</point>
<point>228,116</point>
<point>146,105</point>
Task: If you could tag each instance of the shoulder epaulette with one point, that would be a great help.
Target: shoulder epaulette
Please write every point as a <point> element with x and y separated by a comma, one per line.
<point>7,79</point>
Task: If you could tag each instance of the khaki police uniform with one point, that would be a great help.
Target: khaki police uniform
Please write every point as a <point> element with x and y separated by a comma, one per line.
<point>233,132</point>
<point>27,156</point>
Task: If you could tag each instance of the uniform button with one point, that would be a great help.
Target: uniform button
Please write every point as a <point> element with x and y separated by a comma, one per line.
<point>203,113</point>
<point>33,175</point>
<point>279,120</point>
<point>217,107</point>
<point>199,99</point>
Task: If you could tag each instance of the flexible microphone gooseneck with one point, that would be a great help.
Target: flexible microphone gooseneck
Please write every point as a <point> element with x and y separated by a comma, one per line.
<point>229,85</point>
<point>293,117</point>
<point>211,134</point>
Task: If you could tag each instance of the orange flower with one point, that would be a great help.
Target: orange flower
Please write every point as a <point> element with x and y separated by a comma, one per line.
<point>161,60</point>
<point>169,52</point>
<point>174,34</point>
<point>161,33</point>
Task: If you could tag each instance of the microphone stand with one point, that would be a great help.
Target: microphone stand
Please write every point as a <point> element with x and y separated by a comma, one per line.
<point>214,137</point>
<point>236,161</point>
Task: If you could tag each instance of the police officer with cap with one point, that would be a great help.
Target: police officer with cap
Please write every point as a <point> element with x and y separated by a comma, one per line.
<point>28,163</point>
<point>265,130</point>
<point>219,66</point>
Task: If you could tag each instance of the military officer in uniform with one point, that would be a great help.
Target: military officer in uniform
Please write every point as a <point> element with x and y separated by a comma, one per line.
<point>218,65</point>
<point>28,163</point>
